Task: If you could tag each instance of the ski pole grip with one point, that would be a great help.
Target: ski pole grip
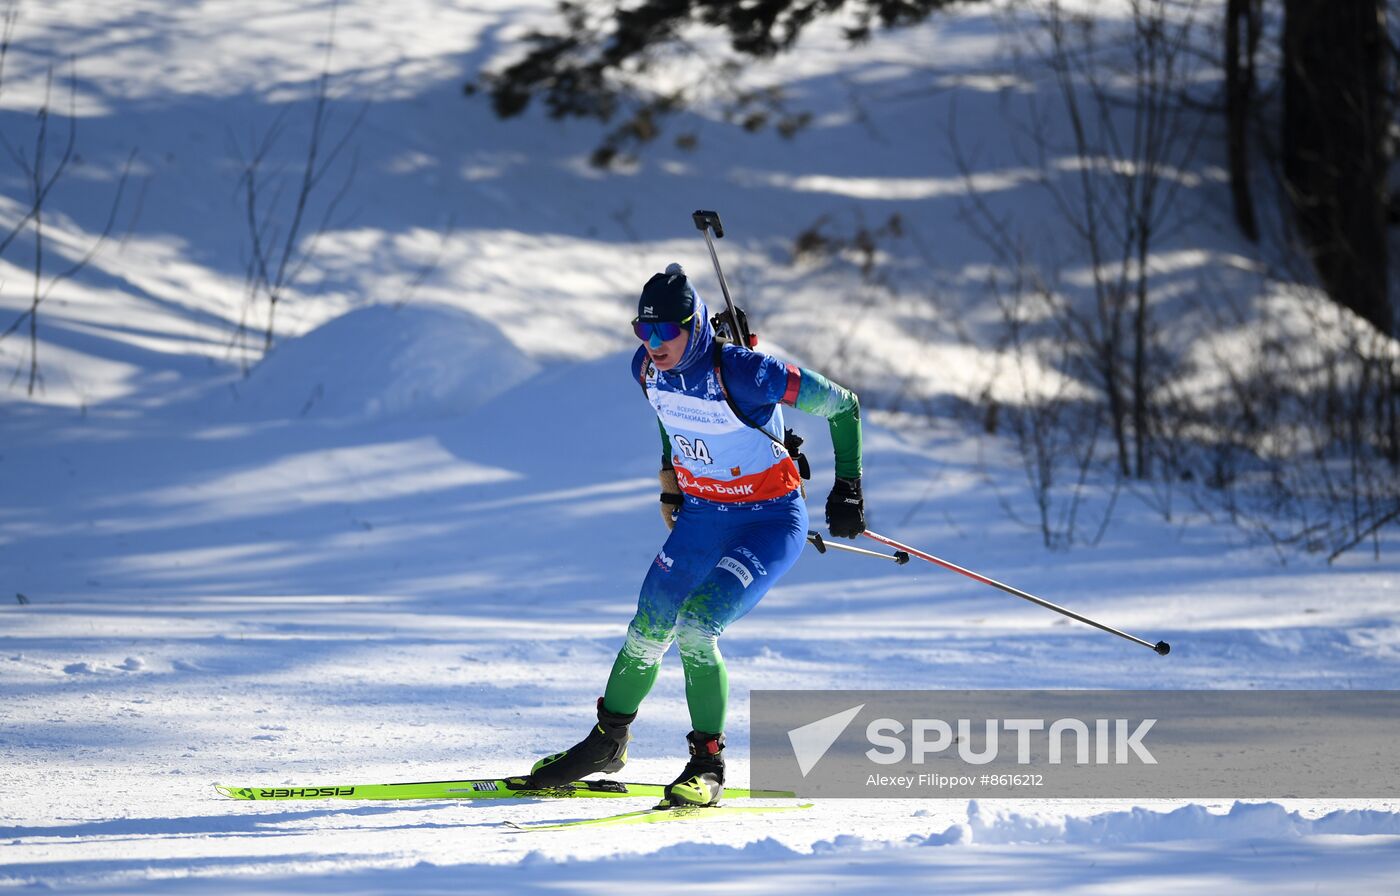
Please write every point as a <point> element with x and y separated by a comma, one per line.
<point>707,219</point>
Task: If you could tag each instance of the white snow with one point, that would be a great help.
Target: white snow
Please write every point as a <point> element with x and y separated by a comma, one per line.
<point>405,545</point>
<point>382,361</point>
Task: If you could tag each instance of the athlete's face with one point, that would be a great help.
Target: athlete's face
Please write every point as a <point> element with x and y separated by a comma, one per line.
<point>667,354</point>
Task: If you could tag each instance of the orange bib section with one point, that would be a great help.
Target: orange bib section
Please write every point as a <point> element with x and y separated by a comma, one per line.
<point>773,482</point>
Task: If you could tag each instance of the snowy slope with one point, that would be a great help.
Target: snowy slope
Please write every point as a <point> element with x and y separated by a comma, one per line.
<point>405,545</point>
<point>419,598</point>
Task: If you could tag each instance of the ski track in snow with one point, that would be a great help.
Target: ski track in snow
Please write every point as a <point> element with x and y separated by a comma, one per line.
<point>406,546</point>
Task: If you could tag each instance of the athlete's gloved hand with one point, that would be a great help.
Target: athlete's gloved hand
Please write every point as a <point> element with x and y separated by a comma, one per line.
<point>845,509</point>
<point>670,497</point>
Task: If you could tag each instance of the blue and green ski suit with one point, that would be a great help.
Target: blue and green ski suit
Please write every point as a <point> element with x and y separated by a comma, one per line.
<point>743,520</point>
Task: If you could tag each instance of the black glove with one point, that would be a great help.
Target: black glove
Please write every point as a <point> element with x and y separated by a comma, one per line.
<point>845,509</point>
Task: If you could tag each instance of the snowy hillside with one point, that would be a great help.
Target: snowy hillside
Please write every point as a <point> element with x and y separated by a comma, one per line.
<point>405,544</point>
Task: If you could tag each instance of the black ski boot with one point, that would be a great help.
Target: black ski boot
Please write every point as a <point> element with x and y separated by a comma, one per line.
<point>603,750</point>
<point>702,782</point>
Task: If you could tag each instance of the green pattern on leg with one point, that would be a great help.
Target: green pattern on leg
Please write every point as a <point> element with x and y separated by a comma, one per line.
<point>706,691</point>
<point>637,665</point>
<point>629,684</point>
<point>706,678</point>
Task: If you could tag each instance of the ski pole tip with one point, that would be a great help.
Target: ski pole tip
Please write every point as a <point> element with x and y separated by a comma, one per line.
<point>901,557</point>
<point>1163,648</point>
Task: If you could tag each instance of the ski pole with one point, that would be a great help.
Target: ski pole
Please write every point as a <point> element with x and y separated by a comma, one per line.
<point>899,557</point>
<point>1161,647</point>
<point>705,221</point>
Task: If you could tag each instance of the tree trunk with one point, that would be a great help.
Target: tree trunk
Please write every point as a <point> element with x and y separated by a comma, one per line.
<point>1334,158</point>
<point>1239,99</point>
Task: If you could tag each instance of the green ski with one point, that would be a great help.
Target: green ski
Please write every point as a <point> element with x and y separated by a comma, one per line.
<point>655,815</point>
<point>487,788</point>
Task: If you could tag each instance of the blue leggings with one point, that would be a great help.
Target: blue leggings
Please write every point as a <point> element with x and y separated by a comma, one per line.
<point>718,563</point>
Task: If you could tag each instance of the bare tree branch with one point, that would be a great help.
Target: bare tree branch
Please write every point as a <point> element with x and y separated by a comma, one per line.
<point>43,173</point>
<point>281,246</point>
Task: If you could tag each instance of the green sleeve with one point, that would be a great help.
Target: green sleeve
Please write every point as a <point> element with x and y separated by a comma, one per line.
<point>841,408</point>
<point>665,446</point>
